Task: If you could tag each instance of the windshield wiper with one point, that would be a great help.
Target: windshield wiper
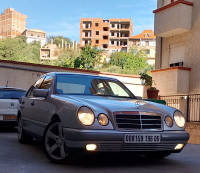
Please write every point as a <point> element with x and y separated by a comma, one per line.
<point>114,96</point>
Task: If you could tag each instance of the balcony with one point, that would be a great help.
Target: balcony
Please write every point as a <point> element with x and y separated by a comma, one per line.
<point>172,81</point>
<point>174,18</point>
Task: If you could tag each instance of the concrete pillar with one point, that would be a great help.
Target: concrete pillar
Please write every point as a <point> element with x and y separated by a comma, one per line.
<point>62,44</point>
<point>183,105</point>
<point>76,46</point>
<point>73,44</point>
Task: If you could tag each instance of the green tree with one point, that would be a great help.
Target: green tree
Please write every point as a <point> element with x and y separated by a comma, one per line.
<point>132,62</point>
<point>17,49</point>
<point>89,58</point>
<point>67,57</point>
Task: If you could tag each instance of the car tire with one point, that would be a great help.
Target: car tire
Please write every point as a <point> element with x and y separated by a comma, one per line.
<point>55,146</point>
<point>22,136</point>
<point>159,155</point>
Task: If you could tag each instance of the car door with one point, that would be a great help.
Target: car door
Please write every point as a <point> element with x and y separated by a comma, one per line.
<point>27,109</point>
<point>41,107</point>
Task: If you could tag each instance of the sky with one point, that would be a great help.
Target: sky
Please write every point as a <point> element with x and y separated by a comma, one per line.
<point>62,17</point>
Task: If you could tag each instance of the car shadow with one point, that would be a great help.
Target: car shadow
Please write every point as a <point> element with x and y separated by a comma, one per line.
<point>8,129</point>
<point>117,160</point>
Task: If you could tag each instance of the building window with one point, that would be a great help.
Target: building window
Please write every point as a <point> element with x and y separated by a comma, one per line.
<point>146,43</point>
<point>105,46</point>
<point>97,32</point>
<point>147,51</point>
<point>97,41</point>
<point>112,42</point>
<point>86,34</point>
<point>105,37</point>
<point>113,25</point>
<point>96,24</point>
<point>112,34</point>
<point>87,42</point>
<point>105,29</point>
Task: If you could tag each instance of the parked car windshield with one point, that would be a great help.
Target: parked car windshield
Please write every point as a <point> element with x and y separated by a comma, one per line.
<point>87,85</point>
<point>11,94</point>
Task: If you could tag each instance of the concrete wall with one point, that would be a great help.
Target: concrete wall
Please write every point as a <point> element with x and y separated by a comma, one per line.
<point>24,75</point>
<point>194,130</point>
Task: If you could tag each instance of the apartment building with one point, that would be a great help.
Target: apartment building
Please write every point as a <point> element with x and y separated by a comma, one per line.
<point>111,35</point>
<point>177,30</point>
<point>35,35</point>
<point>12,23</point>
<point>145,41</point>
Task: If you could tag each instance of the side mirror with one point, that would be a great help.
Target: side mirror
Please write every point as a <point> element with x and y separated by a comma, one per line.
<point>40,92</point>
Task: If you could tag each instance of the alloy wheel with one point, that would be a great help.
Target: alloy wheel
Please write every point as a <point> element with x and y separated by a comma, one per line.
<point>54,142</point>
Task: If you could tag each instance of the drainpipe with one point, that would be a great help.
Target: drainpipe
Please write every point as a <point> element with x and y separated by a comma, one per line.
<point>161,44</point>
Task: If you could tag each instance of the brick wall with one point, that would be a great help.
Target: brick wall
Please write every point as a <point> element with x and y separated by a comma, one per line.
<point>194,130</point>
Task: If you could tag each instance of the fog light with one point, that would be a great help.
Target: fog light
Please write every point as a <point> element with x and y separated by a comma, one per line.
<point>179,146</point>
<point>91,147</point>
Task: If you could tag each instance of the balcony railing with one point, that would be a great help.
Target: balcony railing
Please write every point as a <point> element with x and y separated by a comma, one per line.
<point>188,104</point>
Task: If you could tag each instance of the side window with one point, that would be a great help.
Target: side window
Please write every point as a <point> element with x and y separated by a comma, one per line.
<point>46,84</point>
<point>35,86</point>
<point>38,83</point>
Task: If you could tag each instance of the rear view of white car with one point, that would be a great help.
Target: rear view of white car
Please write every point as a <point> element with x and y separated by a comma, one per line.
<point>9,103</point>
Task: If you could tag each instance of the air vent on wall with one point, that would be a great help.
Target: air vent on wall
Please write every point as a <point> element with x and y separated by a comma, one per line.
<point>177,64</point>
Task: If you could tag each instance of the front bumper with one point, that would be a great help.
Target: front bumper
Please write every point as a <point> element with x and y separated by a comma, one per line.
<point>113,140</point>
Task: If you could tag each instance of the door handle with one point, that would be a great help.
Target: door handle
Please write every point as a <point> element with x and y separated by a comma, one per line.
<point>33,103</point>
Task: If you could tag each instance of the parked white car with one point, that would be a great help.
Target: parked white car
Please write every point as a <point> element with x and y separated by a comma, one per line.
<point>9,103</point>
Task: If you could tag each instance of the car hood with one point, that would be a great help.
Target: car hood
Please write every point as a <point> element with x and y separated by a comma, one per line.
<point>115,104</point>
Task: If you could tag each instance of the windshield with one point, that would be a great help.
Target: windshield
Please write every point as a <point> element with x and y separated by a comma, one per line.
<point>87,85</point>
<point>11,94</point>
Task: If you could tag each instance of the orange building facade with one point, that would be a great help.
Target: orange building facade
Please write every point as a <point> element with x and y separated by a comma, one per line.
<point>12,23</point>
<point>111,35</point>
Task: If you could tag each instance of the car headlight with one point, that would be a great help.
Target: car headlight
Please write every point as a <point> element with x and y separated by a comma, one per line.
<point>169,121</point>
<point>86,116</point>
<point>103,119</point>
<point>179,119</point>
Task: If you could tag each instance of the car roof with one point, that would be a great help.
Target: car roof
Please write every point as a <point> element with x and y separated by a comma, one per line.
<point>81,74</point>
<point>11,88</point>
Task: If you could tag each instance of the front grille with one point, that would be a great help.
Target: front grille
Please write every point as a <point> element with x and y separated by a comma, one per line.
<point>135,147</point>
<point>138,121</point>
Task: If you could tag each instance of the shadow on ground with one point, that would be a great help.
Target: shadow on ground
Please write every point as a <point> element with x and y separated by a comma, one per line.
<point>8,129</point>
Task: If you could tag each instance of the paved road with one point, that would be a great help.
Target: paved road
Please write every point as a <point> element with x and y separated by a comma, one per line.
<point>18,158</point>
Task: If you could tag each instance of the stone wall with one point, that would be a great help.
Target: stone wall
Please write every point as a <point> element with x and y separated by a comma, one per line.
<point>194,130</point>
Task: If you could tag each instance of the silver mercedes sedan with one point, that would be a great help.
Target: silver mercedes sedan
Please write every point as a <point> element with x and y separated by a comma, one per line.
<point>77,112</point>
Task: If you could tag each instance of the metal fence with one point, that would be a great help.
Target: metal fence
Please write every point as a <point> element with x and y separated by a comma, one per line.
<point>188,104</point>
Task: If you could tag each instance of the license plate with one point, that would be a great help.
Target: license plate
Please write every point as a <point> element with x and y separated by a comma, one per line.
<point>9,117</point>
<point>142,138</point>
<point>1,117</point>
